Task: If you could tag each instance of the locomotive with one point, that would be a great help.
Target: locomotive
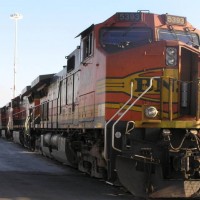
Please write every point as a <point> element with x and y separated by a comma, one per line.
<point>125,108</point>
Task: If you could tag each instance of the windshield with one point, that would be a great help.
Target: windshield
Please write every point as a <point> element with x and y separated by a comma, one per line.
<point>117,39</point>
<point>191,39</point>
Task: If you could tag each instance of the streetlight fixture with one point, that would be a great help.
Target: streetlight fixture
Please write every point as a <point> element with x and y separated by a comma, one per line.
<point>15,17</point>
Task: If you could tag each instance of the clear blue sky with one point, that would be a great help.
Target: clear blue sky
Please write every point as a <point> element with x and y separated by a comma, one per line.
<point>46,34</point>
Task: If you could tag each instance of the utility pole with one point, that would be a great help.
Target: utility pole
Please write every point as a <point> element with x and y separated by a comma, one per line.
<point>15,17</point>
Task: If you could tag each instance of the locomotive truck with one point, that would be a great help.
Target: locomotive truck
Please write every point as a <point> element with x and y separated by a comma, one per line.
<point>125,108</point>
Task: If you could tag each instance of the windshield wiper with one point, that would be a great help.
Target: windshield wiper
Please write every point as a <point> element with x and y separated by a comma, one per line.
<point>191,41</point>
<point>174,34</point>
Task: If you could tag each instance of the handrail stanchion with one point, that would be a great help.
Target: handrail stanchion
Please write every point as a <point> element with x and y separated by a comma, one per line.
<point>105,127</point>
<point>113,127</point>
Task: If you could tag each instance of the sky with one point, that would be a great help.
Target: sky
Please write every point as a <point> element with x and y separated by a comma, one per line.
<point>47,32</point>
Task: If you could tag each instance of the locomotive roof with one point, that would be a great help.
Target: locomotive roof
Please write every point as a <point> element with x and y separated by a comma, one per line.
<point>41,79</point>
<point>86,31</point>
<point>37,83</point>
<point>25,90</point>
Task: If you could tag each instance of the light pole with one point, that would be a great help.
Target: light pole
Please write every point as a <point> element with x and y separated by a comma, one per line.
<point>15,17</point>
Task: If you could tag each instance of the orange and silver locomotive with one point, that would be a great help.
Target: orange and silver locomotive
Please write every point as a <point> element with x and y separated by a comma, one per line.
<point>126,107</point>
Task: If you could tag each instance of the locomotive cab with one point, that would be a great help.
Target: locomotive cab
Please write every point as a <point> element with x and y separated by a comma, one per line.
<point>151,84</point>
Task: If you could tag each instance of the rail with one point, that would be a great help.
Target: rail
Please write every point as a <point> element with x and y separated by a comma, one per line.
<point>113,127</point>
<point>105,127</point>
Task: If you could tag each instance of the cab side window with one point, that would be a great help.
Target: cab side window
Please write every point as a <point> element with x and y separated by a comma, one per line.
<point>87,46</point>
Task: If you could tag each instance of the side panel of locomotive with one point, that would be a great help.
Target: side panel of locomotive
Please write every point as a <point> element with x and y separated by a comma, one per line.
<point>71,130</point>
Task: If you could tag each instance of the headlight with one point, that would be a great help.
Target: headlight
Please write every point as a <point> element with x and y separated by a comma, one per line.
<point>151,112</point>
<point>171,56</point>
<point>171,61</point>
<point>171,51</point>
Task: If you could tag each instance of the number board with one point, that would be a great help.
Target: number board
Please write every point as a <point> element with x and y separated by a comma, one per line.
<point>129,17</point>
<point>176,20</point>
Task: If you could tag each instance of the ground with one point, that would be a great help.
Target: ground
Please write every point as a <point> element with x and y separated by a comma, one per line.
<point>28,175</point>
